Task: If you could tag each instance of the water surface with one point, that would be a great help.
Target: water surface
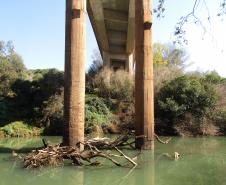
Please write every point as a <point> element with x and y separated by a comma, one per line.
<point>202,162</point>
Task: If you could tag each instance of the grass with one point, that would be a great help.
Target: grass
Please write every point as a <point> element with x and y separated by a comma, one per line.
<point>19,129</point>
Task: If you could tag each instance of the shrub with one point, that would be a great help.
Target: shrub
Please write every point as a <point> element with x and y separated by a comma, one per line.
<point>218,114</point>
<point>52,115</point>
<point>119,85</point>
<point>213,78</point>
<point>164,74</point>
<point>96,113</point>
<point>186,95</point>
<point>20,129</point>
<point>192,125</point>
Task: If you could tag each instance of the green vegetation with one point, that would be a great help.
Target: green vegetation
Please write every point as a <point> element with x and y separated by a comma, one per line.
<point>97,114</point>
<point>186,95</point>
<point>19,129</point>
<point>185,104</point>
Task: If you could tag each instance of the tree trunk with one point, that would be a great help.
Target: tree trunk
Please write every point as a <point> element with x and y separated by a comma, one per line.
<point>144,93</point>
<point>74,94</point>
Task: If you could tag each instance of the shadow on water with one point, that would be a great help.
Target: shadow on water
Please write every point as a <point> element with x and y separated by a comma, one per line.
<point>24,145</point>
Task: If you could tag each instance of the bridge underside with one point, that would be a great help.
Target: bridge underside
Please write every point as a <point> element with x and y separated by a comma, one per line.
<point>113,22</point>
<point>123,29</point>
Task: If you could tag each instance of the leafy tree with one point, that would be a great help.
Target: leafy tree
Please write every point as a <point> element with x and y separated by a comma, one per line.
<point>11,68</point>
<point>159,54</point>
<point>168,54</point>
<point>185,94</point>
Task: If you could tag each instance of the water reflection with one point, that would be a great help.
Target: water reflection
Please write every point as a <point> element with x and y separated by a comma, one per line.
<point>146,175</point>
<point>203,161</point>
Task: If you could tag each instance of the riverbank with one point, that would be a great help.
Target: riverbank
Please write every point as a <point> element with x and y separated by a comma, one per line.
<point>20,129</point>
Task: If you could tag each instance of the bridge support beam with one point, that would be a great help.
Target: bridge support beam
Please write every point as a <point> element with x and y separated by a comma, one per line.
<point>74,93</point>
<point>129,63</point>
<point>144,94</point>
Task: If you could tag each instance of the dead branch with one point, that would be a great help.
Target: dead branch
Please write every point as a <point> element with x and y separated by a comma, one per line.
<point>54,155</point>
<point>161,141</point>
<point>126,157</point>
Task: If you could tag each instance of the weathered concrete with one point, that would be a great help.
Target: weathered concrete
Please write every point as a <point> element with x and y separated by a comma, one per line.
<point>144,91</point>
<point>114,27</point>
<point>74,94</point>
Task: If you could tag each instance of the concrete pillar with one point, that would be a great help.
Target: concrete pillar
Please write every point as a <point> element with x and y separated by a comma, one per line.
<point>107,66</point>
<point>106,59</point>
<point>129,63</point>
<point>74,93</point>
<point>144,93</point>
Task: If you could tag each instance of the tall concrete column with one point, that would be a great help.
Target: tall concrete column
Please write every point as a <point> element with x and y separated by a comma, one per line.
<point>144,93</point>
<point>74,91</point>
<point>129,63</point>
<point>106,59</point>
<point>107,66</point>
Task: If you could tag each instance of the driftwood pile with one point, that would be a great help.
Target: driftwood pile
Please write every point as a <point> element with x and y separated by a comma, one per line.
<point>56,155</point>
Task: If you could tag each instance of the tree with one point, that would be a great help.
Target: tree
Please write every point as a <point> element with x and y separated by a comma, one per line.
<point>186,94</point>
<point>11,68</point>
<point>168,54</point>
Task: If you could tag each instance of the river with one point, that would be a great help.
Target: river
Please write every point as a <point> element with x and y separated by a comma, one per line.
<point>202,162</point>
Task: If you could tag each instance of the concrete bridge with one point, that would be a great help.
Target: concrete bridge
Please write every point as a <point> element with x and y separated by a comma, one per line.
<point>113,22</point>
<point>123,29</point>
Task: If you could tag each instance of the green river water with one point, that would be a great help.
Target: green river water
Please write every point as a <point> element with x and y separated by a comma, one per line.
<point>202,162</point>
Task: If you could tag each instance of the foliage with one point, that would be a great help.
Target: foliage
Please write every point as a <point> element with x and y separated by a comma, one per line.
<point>11,68</point>
<point>186,104</point>
<point>192,125</point>
<point>20,129</point>
<point>159,52</point>
<point>213,78</point>
<point>168,54</point>
<point>185,95</point>
<point>218,114</point>
<point>164,74</point>
<point>119,86</point>
<point>52,114</point>
<point>30,96</point>
<point>4,106</point>
<point>96,113</point>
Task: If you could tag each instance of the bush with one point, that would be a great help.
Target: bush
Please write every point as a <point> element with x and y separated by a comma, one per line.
<point>119,85</point>
<point>164,74</point>
<point>96,113</point>
<point>182,96</point>
<point>186,94</point>
<point>192,125</point>
<point>52,115</point>
<point>20,129</point>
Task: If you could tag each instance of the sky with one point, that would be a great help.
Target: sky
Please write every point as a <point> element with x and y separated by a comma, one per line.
<point>37,30</point>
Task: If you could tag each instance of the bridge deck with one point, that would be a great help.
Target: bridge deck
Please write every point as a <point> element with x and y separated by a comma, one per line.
<point>113,22</point>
